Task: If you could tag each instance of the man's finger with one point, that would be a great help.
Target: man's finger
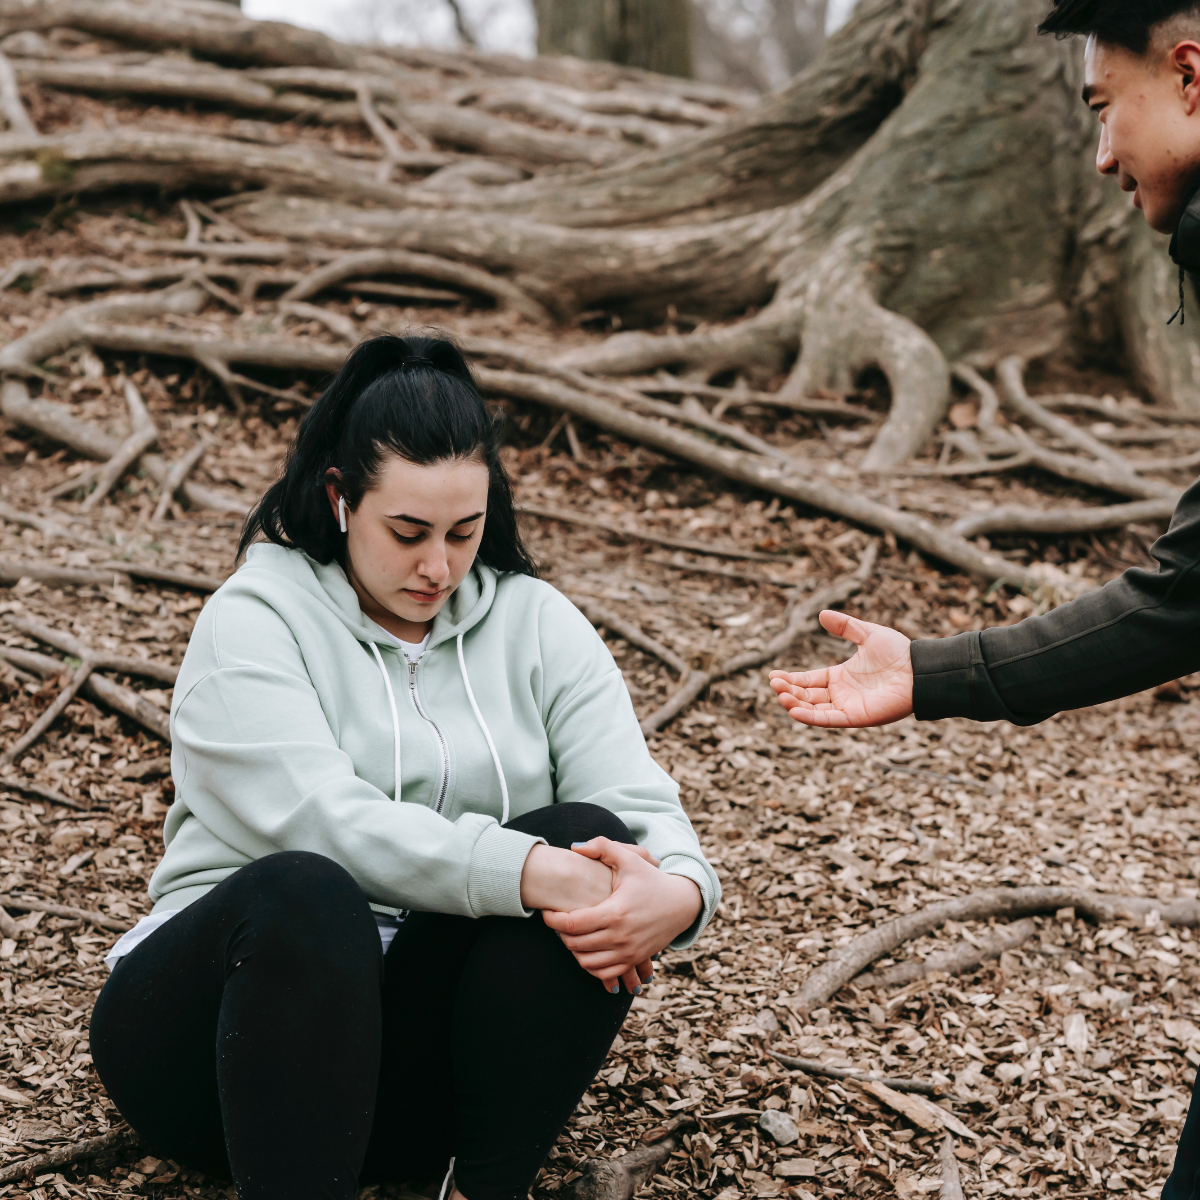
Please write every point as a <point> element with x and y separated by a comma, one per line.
<point>825,717</point>
<point>843,626</point>
<point>782,680</point>
<point>812,696</point>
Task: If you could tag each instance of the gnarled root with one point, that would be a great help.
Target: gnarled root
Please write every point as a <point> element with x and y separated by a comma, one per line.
<point>846,331</point>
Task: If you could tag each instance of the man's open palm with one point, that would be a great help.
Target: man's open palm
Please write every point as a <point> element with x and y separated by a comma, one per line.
<point>872,688</point>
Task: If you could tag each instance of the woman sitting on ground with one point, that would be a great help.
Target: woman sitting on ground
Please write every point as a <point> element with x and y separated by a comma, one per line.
<point>386,731</point>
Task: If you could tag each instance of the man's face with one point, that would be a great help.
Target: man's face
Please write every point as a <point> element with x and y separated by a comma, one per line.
<point>1149,110</point>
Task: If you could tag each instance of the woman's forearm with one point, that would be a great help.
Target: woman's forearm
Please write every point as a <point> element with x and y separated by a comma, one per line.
<point>563,881</point>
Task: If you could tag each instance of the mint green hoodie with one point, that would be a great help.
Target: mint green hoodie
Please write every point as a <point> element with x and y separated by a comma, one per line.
<point>284,737</point>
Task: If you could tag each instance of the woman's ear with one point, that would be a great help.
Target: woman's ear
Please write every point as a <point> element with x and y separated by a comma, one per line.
<point>333,489</point>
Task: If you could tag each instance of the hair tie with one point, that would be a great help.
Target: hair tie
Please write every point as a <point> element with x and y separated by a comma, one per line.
<point>417,361</point>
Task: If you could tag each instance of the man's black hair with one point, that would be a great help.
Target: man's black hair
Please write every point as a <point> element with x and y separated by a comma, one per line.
<point>1126,23</point>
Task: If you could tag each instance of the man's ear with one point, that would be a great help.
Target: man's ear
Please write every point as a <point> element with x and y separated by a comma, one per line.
<point>1185,58</point>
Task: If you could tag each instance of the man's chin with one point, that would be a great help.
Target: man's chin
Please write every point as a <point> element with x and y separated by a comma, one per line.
<point>1161,218</point>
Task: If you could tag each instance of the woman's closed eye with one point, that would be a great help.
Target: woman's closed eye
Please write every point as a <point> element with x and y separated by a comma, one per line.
<point>459,538</point>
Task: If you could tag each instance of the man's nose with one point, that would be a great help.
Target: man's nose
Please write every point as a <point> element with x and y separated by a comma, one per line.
<point>1106,163</point>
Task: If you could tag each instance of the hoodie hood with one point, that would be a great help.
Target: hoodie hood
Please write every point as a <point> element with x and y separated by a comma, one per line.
<point>467,607</point>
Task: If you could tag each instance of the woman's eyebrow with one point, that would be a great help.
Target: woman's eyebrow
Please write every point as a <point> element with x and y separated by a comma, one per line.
<point>429,524</point>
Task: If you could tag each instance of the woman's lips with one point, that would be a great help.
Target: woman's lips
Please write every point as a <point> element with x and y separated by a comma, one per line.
<point>425,597</point>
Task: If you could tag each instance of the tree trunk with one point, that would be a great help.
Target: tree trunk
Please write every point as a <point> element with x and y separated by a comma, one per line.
<point>653,34</point>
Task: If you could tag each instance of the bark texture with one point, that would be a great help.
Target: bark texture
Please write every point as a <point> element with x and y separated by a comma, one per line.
<point>654,34</point>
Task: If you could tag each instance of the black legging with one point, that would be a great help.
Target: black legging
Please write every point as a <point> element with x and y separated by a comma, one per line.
<point>261,1036</point>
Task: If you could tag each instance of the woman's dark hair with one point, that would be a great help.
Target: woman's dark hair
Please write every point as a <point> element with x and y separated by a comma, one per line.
<point>1126,23</point>
<point>412,396</point>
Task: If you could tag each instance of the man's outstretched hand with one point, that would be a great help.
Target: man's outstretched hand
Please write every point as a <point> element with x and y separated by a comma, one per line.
<point>875,687</point>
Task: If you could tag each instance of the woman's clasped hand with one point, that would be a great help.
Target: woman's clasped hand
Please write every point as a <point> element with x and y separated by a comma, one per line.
<point>611,906</point>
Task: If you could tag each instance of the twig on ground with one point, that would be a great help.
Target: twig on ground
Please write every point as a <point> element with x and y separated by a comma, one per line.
<point>18,268</point>
<point>724,572</point>
<point>98,687</point>
<point>843,965</point>
<point>951,1181</point>
<point>144,436</point>
<point>177,475</point>
<point>183,579</point>
<point>335,322</point>
<point>35,731</point>
<point>73,1152</point>
<point>957,961</point>
<point>56,576</point>
<point>192,237</point>
<point>729,398</point>
<point>36,904</point>
<point>1012,518</point>
<point>19,121</point>
<point>810,1067</point>
<point>41,793</point>
<point>601,616</point>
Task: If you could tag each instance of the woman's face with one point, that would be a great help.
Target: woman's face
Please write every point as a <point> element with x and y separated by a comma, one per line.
<point>412,539</point>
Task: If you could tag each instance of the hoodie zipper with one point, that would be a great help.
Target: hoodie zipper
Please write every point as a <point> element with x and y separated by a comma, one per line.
<point>416,699</point>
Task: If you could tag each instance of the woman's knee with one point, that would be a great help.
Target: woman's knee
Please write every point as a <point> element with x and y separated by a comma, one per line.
<point>562,824</point>
<point>305,897</point>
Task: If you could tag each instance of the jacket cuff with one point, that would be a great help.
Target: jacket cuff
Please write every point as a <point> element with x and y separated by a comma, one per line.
<point>690,868</point>
<point>951,679</point>
<point>494,877</point>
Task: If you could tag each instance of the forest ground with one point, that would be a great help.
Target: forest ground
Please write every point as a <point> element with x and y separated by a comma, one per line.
<point>817,835</point>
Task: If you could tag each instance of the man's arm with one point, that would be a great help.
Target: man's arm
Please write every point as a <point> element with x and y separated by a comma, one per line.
<point>1140,630</point>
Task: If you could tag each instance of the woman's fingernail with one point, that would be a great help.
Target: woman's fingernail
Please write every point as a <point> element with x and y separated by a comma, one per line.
<point>648,980</point>
<point>576,845</point>
<point>637,991</point>
<point>616,987</point>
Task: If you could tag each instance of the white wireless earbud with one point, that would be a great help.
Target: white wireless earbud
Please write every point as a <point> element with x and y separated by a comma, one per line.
<point>342,513</point>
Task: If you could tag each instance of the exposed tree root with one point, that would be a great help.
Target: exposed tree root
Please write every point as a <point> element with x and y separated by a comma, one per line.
<point>1014,519</point>
<point>398,262</point>
<point>64,1156</point>
<point>124,665</point>
<point>957,961</point>
<point>843,965</point>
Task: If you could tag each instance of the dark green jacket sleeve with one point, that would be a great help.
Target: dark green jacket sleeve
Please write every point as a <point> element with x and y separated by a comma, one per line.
<point>1138,631</point>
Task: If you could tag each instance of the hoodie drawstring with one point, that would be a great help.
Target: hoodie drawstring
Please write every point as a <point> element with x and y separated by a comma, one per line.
<point>487,734</point>
<point>387,683</point>
<point>462,667</point>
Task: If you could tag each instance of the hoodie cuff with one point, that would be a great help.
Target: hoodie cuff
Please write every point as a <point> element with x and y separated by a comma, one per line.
<point>494,878</point>
<point>951,679</point>
<point>690,868</point>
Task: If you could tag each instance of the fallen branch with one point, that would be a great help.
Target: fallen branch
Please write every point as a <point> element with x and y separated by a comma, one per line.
<point>48,527</point>
<point>98,687</point>
<point>25,787</point>
<point>921,1112</point>
<point>843,965</point>
<point>601,616</point>
<point>73,1152</point>
<point>1012,518</point>
<point>12,572</point>
<point>809,1067</point>
<point>961,959</point>
<point>183,579</point>
<point>951,1180</point>
<point>35,731</point>
<point>11,108</point>
<point>144,436</point>
<point>125,665</point>
<point>802,618</point>
<point>728,398</point>
<point>36,904</point>
<point>177,476</point>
